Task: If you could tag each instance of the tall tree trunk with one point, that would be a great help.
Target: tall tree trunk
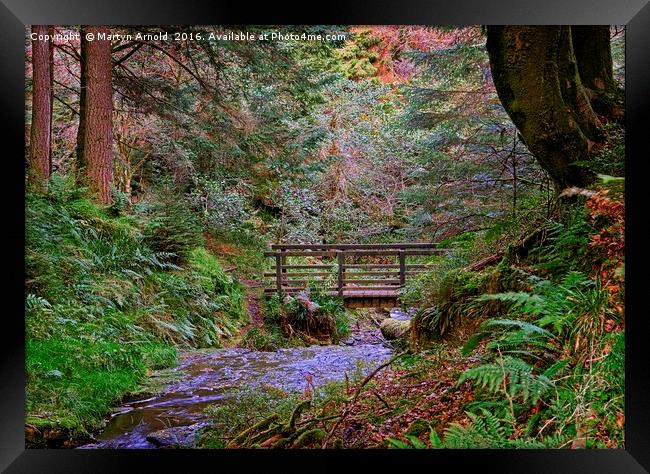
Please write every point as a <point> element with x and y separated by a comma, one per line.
<point>50,31</point>
<point>533,73</point>
<point>81,163</point>
<point>592,46</point>
<point>39,147</point>
<point>98,112</point>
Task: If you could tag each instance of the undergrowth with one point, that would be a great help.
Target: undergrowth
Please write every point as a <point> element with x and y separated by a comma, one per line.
<point>312,316</point>
<point>105,304</point>
<point>549,337</point>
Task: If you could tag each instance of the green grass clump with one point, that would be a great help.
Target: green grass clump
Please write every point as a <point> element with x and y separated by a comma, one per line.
<point>73,380</point>
<point>289,315</point>
<point>244,408</point>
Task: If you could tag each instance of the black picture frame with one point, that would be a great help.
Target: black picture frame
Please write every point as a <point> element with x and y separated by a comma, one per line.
<point>16,14</point>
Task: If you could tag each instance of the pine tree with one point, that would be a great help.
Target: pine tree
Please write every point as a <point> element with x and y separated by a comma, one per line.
<point>40,136</point>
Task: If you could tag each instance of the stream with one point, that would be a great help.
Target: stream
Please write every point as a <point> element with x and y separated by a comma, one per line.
<point>174,417</point>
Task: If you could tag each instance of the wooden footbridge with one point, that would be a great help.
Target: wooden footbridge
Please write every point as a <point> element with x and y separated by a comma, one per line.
<point>364,275</point>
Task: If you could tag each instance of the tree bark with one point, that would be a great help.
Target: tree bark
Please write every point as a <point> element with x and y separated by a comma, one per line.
<point>535,78</point>
<point>39,147</point>
<point>573,92</point>
<point>98,112</point>
<point>50,31</point>
<point>592,46</point>
<point>81,163</point>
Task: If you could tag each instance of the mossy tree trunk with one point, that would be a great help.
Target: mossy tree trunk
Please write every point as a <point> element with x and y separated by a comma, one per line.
<point>536,77</point>
<point>573,90</point>
<point>40,133</point>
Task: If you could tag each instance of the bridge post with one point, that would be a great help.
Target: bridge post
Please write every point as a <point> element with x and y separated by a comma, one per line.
<point>341,264</point>
<point>278,273</point>
<point>402,267</point>
<point>283,261</point>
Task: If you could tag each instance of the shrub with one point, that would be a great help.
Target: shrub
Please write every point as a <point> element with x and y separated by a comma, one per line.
<point>173,229</point>
<point>448,302</point>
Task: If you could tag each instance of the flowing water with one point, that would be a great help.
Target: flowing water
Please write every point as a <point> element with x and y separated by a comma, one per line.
<point>175,416</point>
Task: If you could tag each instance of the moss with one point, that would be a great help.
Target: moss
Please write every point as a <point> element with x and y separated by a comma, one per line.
<point>417,428</point>
<point>394,329</point>
<point>309,437</point>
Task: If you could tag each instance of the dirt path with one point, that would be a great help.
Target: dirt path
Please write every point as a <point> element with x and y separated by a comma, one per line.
<point>253,295</point>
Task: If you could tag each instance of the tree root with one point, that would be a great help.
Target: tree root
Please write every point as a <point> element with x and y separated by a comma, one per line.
<point>302,406</point>
<point>241,437</point>
<point>308,437</point>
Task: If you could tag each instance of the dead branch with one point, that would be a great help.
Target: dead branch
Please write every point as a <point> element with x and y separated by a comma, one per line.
<point>484,262</point>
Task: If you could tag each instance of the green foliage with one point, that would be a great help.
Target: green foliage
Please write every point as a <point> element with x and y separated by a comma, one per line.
<point>488,431</point>
<point>102,307</point>
<point>243,409</point>
<point>564,311</point>
<point>474,170</point>
<point>329,319</point>
<point>544,354</point>
<point>172,228</point>
<point>567,246</point>
<point>78,381</point>
<point>226,292</point>
<point>510,376</point>
<point>263,340</point>
<point>220,205</point>
<point>448,301</point>
<point>484,431</point>
<point>356,59</point>
<point>610,159</point>
<point>244,249</point>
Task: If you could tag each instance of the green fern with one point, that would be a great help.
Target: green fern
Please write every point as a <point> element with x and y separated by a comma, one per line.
<point>34,302</point>
<point>511,373</point>
<point>484,430</point>
<point>398,444</point>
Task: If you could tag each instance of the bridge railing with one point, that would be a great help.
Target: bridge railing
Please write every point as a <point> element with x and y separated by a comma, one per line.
<point>353,270</point>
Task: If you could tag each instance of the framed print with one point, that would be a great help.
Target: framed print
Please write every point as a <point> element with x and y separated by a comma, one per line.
<point>397,232</point>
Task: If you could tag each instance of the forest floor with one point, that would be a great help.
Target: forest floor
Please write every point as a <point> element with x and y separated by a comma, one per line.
<point>253,306</point>
<point>412,397</point>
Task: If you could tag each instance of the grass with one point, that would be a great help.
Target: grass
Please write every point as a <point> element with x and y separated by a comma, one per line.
<point>103,309</point>
<point>240,250</point>
<point>72,384</point>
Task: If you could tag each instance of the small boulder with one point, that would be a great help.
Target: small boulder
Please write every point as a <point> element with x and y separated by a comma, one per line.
<point>182,436</point>
<point>402,315</point>
<point>304,300</point>
<point>395,329</point>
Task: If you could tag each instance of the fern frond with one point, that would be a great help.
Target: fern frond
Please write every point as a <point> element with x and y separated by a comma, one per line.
<point>523,325</point>
<point>512,372</point>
